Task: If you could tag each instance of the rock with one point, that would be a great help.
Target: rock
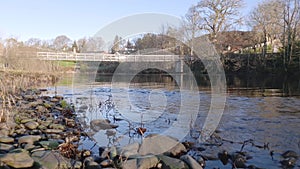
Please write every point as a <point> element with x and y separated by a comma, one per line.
<point>289,154</point>
<point>289,162</point>
<point>191,162</point>
<point>29,147</point>
<point>6,140</point>
<point>4,132</point>
<point>46,123</point>
<point>177,150</point>
<point>30,139</point>
<point>92,165</point>
<point>53,131</point>
<point>113,152</point>
<point>6,147</point>
<point>31,125</point>
<point>200,160</point>
<point>47,106</point>
<point>83,107</point>
<point>224,157</point>
<point>129,164</point>
<point>51,159</point>
<point>20,131</point>
<point>57,126</point>
<point>159,144</point>
<point>59,108</point>
<point>26,120</point>
<point>147,162</point>
<point>41,109</point>
<point>238,160</point>
<point>51,144</point>
<point>129,150</point>
<point>54,100</point>
<point>77,165</point>
<point>172,163</point>
<point>106,163</point>
<point>42,127</point>
<point>101,124</point>
<point>29,98</point>
<point>17,160</point>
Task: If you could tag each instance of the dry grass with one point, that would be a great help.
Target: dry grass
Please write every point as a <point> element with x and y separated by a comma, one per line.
<point>12,83</point>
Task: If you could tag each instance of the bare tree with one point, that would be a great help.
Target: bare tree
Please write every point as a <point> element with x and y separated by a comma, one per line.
<point>191,26</point>
<point>62,42</point>
<point>33,42</point>
<point>265,21</point>
<point>219,15</point>
<point>81,44</point>
<point>291,19</point>
<point>94,44</point>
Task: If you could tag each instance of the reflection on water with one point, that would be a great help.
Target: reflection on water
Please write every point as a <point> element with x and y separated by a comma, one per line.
<point>254,111</point>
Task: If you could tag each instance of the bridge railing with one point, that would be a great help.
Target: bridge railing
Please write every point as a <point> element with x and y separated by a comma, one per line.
<point>105,57</point>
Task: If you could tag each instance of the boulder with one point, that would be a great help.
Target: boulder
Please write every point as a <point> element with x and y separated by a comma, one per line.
<point>30,139</point>
<point>129,164</point>
<point>147,162</point>
<point>129,150</point>
<point>159,144</point>
<point>17,160</point>
<point>101,124</point>
<point>172,163</point>
<point>191,162</point>
<point>51,159</point>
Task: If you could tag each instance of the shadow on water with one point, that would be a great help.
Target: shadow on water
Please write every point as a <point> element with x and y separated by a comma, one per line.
<point>255,85</point>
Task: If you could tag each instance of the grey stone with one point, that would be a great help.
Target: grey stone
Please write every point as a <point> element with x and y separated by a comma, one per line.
<point>191,162</point>
<point>57,126</point>
<point>6,147</point>
<point>93,165</point>
<point>147,162</point>
<point>129,150</point>
<point>53,131</point>
<point>6,140</point>
<point>172,163</point>
<point>177,150</point>
<point>17,160</point>
<point>30,139</point>
<point>101,124</point>
<point>4,132</point>
<point>31,125</point>
<point>50,144</point>
<point>26,120</point>
<point>129,164</point>
<point>159,144</point>
<point>51,159</point>
<point>41,109</point>
<point>106,163</point>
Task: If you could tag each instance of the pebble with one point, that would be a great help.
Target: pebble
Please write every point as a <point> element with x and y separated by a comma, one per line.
<point>30,139</point>
<point>6,147</point>
<point>6,140</point>
<point>31,125</point>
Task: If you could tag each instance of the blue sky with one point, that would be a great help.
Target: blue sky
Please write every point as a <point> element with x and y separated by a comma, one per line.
<point>46,19</point>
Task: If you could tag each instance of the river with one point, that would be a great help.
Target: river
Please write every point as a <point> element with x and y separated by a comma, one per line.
<point>261,114</point>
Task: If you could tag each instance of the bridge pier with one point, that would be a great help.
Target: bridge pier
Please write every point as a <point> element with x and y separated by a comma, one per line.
<point>179,66</point>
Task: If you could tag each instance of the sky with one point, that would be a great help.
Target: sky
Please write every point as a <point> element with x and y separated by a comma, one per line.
<point>47,19</point>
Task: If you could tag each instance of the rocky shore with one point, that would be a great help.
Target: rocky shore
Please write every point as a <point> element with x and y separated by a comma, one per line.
<point>44,133</point>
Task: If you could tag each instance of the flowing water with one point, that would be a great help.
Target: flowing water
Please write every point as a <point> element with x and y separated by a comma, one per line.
<point>259,117</point>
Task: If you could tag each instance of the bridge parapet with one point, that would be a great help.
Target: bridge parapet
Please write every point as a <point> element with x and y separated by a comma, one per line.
<point>106,57</point>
